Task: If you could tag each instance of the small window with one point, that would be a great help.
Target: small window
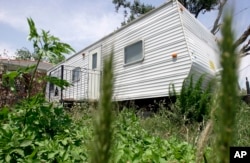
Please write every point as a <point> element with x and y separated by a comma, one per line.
<point>51,87</point>
<point>94,61</point>
<point>133,53</point>
<point>76,74</point>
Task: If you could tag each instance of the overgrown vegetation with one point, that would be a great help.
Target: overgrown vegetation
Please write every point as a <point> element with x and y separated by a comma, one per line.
<point>49,134</point>
<point>194,100</point>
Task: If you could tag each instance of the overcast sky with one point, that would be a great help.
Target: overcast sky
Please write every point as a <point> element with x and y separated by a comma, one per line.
<point>78,22</point>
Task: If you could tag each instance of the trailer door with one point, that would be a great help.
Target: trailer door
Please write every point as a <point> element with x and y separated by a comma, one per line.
<point>94,75</point>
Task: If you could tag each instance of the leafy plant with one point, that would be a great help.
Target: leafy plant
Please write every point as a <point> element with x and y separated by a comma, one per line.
<point>132,143</point>
<point>9,78</point>
<point>193,100</point>
<point>35,130</point>
<point>46,46</point>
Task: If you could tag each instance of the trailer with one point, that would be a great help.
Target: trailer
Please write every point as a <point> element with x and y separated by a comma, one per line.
<point>158,49</point>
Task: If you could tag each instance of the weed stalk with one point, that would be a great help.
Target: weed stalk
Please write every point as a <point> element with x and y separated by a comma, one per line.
<point>102,125</point>
<point>228,97</point>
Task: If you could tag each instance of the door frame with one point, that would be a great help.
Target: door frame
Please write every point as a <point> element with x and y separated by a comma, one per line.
<point>94,75</point>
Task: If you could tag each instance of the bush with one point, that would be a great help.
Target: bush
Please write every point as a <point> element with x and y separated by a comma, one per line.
<point>35,130</point>
<point>194,101</point>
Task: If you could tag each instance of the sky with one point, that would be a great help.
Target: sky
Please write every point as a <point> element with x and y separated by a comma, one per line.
<point>80,22</point>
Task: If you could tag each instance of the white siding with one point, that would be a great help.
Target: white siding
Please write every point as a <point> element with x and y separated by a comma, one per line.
<point>164,31</point>
<point>202,46</point>
<point>162,35</point>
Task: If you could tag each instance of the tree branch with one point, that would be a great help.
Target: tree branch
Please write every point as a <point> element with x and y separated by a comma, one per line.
<point>216,25</point>
<point>243,37</point>
<point>198,12</point>
<point>245,49</point>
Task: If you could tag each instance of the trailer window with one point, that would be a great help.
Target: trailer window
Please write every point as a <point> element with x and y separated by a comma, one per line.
<point>133,53</point>
<point>76,74</point>
<point>94,61</point>
<point>51,87</point>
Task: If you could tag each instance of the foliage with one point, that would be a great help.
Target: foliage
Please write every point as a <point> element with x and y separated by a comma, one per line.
<point>35,131</point>
<point>194,101</point>
<point>134,144</point>
<point>57,137</point>
<point>56,81</point>
<point>197,6</point>
<point>242,124</point>
<point>9,78</point>
<point>50,135</point>
<point>47,47</point>
<point>25,54</point>
<point>15,84</point>
<point>136,9</point>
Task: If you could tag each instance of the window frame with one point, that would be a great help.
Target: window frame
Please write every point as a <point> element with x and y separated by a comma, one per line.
<point>136,61</point>
<point>74,72</point>
<point>51,87</point>
<point>93,61</point>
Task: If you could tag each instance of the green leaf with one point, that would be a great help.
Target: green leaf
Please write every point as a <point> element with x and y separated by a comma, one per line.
<point>66,130</point>
<point>26,143</point>
<point>52,155</point>
<point>33,31</point>
<point>33,154</point>
<point>65,155</point>
<point>7,158</point>
<point>58,82</point>
<point>18,151</point>
<point>64,141</point>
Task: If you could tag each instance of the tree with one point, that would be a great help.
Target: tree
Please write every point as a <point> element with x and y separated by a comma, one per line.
<point>46,46</point>
<point>136,9</point>
<point>195,7</point>
<point>25,54</point>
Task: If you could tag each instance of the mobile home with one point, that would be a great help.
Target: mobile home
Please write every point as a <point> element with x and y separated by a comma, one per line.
<point>160,48</point>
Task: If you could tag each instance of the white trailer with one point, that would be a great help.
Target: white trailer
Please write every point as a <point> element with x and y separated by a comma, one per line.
<point>160,48</point>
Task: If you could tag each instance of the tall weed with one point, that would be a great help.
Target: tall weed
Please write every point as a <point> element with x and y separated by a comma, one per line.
<point>103,123</point>
<point>228,97</point>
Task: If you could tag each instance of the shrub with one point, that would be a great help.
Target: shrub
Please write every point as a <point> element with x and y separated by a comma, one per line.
<point>35,130</point>
<point>194,100</point>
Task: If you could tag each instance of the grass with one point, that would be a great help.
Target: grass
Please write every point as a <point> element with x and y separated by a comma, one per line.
<point>242,135</point>
<point>129,127</point>
<point>160,125</point>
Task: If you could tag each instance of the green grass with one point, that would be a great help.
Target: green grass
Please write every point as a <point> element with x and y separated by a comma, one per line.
<point>242,127</point>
